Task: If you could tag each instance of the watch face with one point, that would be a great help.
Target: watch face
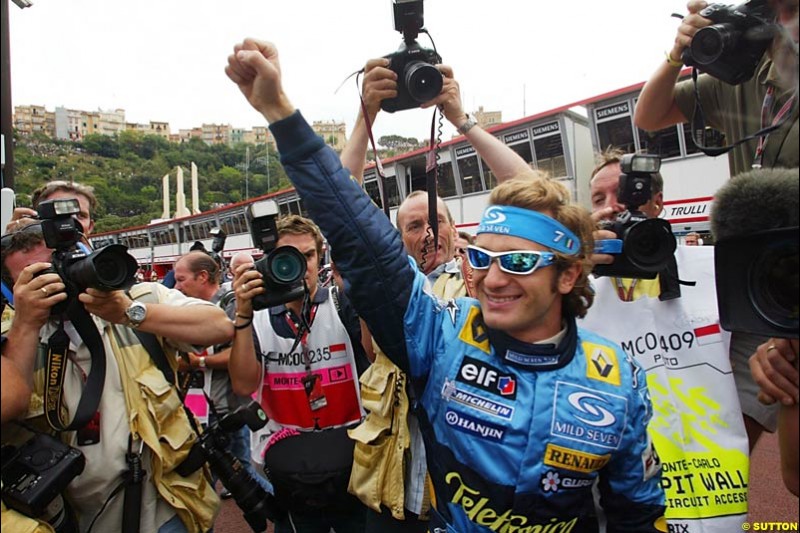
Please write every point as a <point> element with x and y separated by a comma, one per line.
<point>136,313</point>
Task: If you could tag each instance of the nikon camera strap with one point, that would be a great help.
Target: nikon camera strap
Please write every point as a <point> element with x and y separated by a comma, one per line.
<point>57,348</point>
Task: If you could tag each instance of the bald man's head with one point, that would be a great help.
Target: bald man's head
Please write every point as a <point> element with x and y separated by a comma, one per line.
<point>240,259</point>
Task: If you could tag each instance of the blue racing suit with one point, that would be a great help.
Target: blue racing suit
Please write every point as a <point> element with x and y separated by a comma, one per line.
<point>517,435</point>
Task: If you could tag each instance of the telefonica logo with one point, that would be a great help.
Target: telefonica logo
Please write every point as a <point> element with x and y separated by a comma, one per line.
<point>478,509</point>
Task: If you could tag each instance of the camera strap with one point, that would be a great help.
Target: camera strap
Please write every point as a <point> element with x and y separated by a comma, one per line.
<point>431,183</point>
<point>699,124</point>
<point>378,164</point>
<point>57,349</point>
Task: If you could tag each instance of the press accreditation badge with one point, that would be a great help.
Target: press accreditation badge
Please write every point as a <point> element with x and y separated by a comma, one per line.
<point>312,384</point>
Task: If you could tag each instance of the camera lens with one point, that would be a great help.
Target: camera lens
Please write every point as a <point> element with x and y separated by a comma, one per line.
<point>774,285</point>
<point>109,268</point>
<point>709,43</point>
<point>423,81</point>
<point>108,271</point>
<point>649,244</point>
<point>286,264</point>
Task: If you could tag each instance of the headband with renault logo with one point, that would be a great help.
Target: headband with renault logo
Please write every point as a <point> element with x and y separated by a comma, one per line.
<point>531,225</point>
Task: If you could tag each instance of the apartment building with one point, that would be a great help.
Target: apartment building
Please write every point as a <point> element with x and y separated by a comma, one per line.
<point>333,133</point>
<point>30,119</point>
<point>217,133</point>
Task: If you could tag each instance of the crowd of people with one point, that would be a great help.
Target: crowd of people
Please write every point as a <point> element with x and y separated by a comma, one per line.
<point>440,381</point>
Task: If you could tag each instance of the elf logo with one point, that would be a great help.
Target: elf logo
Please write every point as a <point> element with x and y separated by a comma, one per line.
<point>488,378</point>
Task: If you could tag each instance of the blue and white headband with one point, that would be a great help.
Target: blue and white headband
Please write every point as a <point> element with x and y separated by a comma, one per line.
<point>531,225</point>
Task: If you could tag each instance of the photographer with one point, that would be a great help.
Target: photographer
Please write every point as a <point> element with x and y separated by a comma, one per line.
<point>769,97</point>
<point>55,190</point>
<point>495,378</point>
<point>632,312</point>
<point>197,275</point>
<point>304,359</point>
<point>139,415</point>
<point>604,185</point>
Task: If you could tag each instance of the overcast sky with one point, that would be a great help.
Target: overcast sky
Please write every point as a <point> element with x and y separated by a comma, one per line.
<point>163,59</point>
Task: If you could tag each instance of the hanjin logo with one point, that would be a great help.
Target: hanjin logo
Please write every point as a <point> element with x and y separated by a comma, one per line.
<point>472,425</point>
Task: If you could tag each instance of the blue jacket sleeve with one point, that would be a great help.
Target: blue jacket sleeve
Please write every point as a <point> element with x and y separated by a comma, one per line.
<point>366,247</point>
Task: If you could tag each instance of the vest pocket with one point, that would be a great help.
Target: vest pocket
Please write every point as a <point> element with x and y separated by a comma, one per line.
<point>373,457</point>
<point>377,387</point>
<point>165,409</point>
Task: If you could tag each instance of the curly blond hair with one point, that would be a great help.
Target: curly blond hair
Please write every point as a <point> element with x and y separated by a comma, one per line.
<point>553,199</point>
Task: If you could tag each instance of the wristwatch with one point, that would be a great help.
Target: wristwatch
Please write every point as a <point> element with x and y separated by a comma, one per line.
<point>468,125</point>
<point>136,313</point>
<point>201,361</point>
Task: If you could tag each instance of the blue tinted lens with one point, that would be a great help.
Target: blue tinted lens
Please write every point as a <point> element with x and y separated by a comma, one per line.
<point>519,262</point>
<point>515,262</point>
<point>478,258</point>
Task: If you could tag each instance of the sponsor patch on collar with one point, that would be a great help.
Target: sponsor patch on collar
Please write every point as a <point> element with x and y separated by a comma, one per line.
<point>527,359</point>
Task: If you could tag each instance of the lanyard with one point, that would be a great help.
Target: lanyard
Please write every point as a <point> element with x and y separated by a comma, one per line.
<point>301,333</point>
<point>626,295</point>
<point>766,110</point>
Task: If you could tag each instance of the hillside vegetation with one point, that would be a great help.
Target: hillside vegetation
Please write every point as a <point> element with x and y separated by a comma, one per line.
<point>126,172</point>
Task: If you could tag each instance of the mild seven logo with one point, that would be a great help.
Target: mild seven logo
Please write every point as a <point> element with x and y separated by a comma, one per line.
<point>493,215</point>
<point>589,416</point>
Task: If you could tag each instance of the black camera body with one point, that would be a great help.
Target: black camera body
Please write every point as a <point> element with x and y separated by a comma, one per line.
<point>283,268</point>
<point>732,46</point>
<point>258,505</point>
<point>758,282</point>
<point>647,243</point>
<point>109,268</point>
<point>418,80</point>
<point>37,472</point>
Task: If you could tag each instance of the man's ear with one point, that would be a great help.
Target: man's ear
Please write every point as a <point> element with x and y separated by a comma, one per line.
<point>658,202</point>
<point>568,277</point>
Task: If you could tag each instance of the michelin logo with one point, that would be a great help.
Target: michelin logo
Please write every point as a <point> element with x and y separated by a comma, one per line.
<point>451,392</point>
